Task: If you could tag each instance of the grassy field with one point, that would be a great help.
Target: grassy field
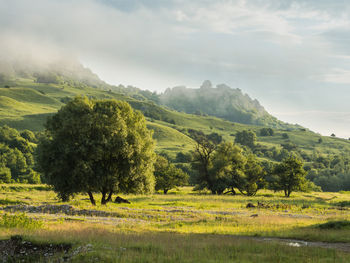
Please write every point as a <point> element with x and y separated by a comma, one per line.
<point>183,226</point>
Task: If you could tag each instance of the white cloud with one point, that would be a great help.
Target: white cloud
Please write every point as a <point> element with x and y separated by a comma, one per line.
<point>280,52</point>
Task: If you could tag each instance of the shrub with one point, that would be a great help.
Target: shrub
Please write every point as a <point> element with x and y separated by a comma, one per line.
<point>343,203</point>
<point>335,225</point>
<point>19,221</point>
<point>5,175</point>
<point>285,136</point>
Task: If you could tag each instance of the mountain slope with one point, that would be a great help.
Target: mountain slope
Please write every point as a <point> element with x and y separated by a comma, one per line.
<point>26,99</point>
<point>223,102</point>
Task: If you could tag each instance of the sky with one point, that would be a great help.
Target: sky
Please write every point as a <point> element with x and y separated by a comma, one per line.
<point>293,56</point>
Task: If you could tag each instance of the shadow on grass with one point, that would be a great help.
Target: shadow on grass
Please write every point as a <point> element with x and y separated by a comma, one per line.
<point>11,202</point>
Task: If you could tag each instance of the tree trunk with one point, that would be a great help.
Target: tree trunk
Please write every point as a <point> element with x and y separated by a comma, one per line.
<point>233,191</point>
<point>109,198</point>
<point>165,191</point>
<point>92,200</point>
<point>103,199</point>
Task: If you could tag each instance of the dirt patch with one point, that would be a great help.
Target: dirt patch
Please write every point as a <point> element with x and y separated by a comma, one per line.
<point>18,250</point>
<point>59,209</point>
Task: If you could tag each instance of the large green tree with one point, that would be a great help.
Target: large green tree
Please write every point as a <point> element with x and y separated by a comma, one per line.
<point>202,159</point>
<point>233,169</point>
<point>97,146</point>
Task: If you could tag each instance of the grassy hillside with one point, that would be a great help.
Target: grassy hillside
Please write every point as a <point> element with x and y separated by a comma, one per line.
<point>25,104</point>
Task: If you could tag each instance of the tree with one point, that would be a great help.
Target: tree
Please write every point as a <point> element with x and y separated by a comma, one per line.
<point>29,136</point>
<point>5,174</point>
<point>285,136</point>
<point>228,168</point>
<point>202,157</point>
<point>289,176</point>
<point>97,146</point>
<point>16,153</point>
<point>183,157</point>
<point>247,138</point>
<point>233,169</point>
<point>266,132</point>
<point>167,175</point>
<point>254,177</point>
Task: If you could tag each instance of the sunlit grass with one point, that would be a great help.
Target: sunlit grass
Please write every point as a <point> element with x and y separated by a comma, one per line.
<point>112,244</point>
<point>187,226</point>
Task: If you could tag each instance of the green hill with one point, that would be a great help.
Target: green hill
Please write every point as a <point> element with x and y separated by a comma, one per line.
<point>27,99</point>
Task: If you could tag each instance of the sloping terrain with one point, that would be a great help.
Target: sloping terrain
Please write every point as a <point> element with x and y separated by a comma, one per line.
<point>26,101</point>
<point>223,102</point>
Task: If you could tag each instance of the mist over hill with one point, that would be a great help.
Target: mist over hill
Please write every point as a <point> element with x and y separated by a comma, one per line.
<point>53,71</point>
<point>221,101</point>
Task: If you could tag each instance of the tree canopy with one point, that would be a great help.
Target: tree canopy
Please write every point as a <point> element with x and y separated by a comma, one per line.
<point>167,175</point>
<point>289,176</point>
<point>246,137</point>
<point>16,156</point>
<point>97,146</point>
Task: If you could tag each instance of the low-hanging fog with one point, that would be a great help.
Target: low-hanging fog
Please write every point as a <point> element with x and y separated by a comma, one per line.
<point>293,56</point>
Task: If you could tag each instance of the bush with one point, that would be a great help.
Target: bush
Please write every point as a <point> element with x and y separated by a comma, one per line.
<point>29,136</point>
<point>343,204</point>
<point>266,132</point>
<point>19,221</point>
<point>32,177</point>
<point>285,136</point>
<point>5,175</point>
<point>335,225</point>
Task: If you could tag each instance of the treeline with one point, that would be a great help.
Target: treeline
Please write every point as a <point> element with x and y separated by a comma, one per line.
<point>16,156</point>
<point>225,167</point>
<point>104,146</point>
<point>329,172</point>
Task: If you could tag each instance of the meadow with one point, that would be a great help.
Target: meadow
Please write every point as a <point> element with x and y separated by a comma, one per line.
<point>183,226</point>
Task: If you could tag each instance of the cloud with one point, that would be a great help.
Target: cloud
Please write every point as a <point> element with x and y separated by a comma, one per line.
<point>280,52</point>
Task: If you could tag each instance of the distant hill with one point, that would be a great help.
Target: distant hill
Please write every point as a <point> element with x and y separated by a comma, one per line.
<point>223,102</point>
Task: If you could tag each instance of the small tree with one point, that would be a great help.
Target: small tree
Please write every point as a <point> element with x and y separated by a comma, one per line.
<point>167,175</point>
<point>247,138</point>
<point>289,176</point>
<point>285,136</point>
<point>254,177</point>
<point>5,174</point>
<point>266,132</point>
<point>97,146</point>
